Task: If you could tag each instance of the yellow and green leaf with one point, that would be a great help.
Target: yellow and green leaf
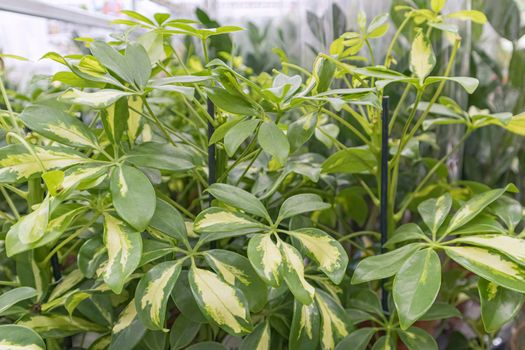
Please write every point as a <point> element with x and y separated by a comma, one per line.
<point>128,330</point>
<point>221,303</point>
<point>153,292</point>
<point>304,333</point>
<point>16,337</point>
<point>124,246</point>
<point>293,274</point>
<point>266,259</point>
<point>422,58</point>
<point>325,251</point>
<point>334,323</point>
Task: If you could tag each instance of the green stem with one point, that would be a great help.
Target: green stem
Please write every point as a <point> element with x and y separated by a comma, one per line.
<point>388,56</point>
<point>10,203</point>
<point>347,125</point>
<point>16,127</point>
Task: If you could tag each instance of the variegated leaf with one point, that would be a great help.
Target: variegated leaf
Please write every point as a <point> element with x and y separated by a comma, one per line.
<point>124,246</point>
<point>133,196</point>
<point>498,305</point>
<point>17,163</point>
<point>15,337</point>
<point>153,292</point>
<point>259,339</point>
<point>239,198</point>
<point>325,251</point>
<point>293,273</point>
<point>213,220</point>
<point>58,325</point>
<point>90,256</point>
<point>58,126</point>
<point>66,284</point>
<point>220,302</point>
<point>416,286</point>
<point>512,247</point>
<point>97,99</point>
<point>128,330</point>
<point>490,265</point>
<point>304,333</point>
<point>474,206</point>
<point>83,177</point>
<point>334,323</point>
<point>265,258</point>
<point>435,210</point>
<point>422,58</point>
<point>236,270</point>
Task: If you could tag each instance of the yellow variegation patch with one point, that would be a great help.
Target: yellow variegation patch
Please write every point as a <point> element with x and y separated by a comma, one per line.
<point>332,326</point>
<point>422,58</point>
<point>7,345</point>
<point>135,106</point>
<point>126,318</point>
<point>220,301</point>
<point>155,295</point>
<point>513,247</point>
<point>33,226</point>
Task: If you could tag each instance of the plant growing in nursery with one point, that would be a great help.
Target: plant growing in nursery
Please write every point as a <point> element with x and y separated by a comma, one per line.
<point>135,216</point>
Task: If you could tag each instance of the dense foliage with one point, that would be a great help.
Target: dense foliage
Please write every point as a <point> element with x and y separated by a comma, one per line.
<point>155,200</point>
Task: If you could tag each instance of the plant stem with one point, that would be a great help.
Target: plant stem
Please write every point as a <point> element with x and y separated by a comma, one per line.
<point>10,203</point>
<point>388,56</point>
<point>9,108</point>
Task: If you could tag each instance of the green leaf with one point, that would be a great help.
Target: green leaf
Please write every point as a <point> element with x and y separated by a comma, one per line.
<point>301,130</point>
<point>512,247</point>
<point>128,330</point>
<point>134,66</point>
<point>378,26</point>
<point>237,271</point>
<point>133,196</point>
<point>350,161</point>
<point>416,286</point>
<point>384,265</point>
<point>417,339</point>
<point>239,198</point>
<point>66,284</point>
<point>59,326</point>
<point>434,211</point>
<point>357,340</point>
<point>293,274</point>
<point>183,332</point>
<point>266,258</point>
<point>334,322</point>
<point>90,256</point>
<point>221,303</point>
<point>216,220</point>
<point>259,339</point>
<point>301,203</point>
<point>98,99</point>
<point>422,58</point>
<point>238,134</point>
<point>386,342</point>
<point>17,163</point>
<point>304,332</point>
<point>440,311</point>
<point>13,296</point>
<point>221,131</point>
<point>273,141</point>
<point>325,251</point>
<point>169,221</point>
<point>404,233</point>
<point>124,247</point>
<point>498,305</point>
<point>489,265</point>
<point>184,300</point>
<point>235,104</point>
<point>153,249</point>
<point>508,210</point>
<point>162,156</point>
<point>504,17</point>
<point>207,345</point>
<point>153,292</point>
<point>58,126</point>
<point>20,338</point>
<point>474,206</point>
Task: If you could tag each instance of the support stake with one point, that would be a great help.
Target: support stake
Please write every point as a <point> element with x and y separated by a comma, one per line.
<point>384,192</point>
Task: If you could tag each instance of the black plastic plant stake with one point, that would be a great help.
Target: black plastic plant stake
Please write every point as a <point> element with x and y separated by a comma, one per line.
<point>384,192</point>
